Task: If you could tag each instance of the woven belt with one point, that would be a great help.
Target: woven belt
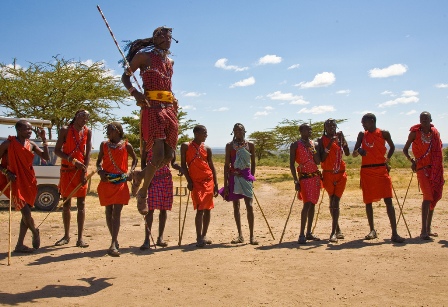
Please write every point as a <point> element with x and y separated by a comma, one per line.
<point>164,96</point>
<point>373,165</point>
<point>309,175</point>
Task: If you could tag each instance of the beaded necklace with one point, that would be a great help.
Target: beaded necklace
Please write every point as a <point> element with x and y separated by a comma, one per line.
<point>110,145</point>
<point>238,145</point>
<point>115,145</point>
<point>426,138</point>
<point>337,163</point>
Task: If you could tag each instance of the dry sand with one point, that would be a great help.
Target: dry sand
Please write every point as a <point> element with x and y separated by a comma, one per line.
<point>351,272</point>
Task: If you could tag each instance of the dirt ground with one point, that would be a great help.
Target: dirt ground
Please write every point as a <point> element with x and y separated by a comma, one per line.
<point>351,272</point>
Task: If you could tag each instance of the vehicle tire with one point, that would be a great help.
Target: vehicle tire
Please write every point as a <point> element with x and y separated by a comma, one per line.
<point>47,198</point>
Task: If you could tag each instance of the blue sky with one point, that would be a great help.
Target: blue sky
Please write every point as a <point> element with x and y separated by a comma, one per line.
<point>259,62</point>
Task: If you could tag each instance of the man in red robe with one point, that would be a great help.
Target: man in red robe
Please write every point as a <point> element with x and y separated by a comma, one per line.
<point>376,183</point>
<point>17,167</point>
<point>196,160</point>
<point>428,163</point>
<point>73,147</point>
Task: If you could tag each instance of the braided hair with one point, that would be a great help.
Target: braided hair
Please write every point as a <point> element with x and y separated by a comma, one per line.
<point>328,121</point>
<point>77,114</point>
<point>117,127</point>
<point>237,125</point>
<point>133,47</point>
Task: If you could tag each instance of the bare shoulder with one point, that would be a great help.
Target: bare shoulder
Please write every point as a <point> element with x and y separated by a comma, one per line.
<point>385,133</point>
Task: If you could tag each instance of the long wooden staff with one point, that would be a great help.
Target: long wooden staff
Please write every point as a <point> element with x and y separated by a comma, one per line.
<point>180,202</point>
<point>401,212</point>
<point>404,200</point>
<point>185,216</point>
<point>264,217</point>
<point>68,197</point>
<point>4,189</point>
<point>128,68</point>
<point>10,212</point>
<point>149,231</point>
<point>287,219</point>
<point>318,210</point>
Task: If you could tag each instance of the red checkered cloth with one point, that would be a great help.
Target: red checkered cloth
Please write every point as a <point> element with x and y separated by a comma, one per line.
<point>158,122</point>
<point>160,191</point>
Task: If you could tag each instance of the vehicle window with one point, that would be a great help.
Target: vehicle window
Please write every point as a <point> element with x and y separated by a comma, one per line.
<point>54,160</point>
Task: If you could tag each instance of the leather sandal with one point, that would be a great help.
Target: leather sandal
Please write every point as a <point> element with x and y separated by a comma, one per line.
<point>238,240</point>
<point>333,238</point>
<point>372,235</point>
<point>311,237</point>
<point>62,241</point>
<point>82,244</point>
<point>302,239</point>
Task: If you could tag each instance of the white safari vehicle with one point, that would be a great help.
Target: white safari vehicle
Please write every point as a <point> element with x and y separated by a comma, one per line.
<point>47,172</point>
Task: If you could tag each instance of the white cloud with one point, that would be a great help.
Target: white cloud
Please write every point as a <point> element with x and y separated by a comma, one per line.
<point>269,59</point>
<point>442,85</point>
<point>411,112</point>
<point>221,109</point>
<point>399,100</point>
<point>294,66</point>
<point>259,97</point>
<point>409,93</point>
<point>268,108</point>
<point>317,110</point>
<point>222,63</point>
<point>293,99</point>
<point>192,94</point>
<point>261,113</point>
<point>392,70</point>
<point>320,80</point>
<point>245,82</point>
<point>343,92</point>
<point>387,93</point>
<point>188,107</point>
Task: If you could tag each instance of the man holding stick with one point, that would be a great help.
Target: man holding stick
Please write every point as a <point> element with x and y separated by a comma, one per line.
<point>308,182</point>
<point>197,163</point>
<point>331,147</point>
<point>17,166</point>
<point>375,179</point>
<point>428,163</point>
<point>73,147</point>
<point>159,124</point>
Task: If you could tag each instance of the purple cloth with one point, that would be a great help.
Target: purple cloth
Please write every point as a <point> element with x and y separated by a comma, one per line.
<point>245,174</point>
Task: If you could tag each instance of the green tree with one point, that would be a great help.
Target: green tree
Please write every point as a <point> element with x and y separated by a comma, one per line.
<point>55,90</point>
<point>287,131</point>
<point>132,127</point>
<point>264,142</point>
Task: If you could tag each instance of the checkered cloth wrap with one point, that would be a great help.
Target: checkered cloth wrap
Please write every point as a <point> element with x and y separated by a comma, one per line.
<point>158,122</point>
<point>160,191</point>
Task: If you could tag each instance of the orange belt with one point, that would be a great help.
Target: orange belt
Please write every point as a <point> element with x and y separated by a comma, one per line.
<point>164,96</point>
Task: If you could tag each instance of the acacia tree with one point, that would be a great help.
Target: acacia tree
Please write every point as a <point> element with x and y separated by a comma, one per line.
<point>264,143</point>
<point>132,127</point>
<point>287,131</point>
<point>56,90</point>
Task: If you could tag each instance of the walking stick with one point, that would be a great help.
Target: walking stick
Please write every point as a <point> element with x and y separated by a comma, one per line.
<point>125,61</point>
<point>180,202</point>
<point>404,200</point>
<point>401,212</point>
<point>264,217</point>
<point>68,197</point>
<point>287,219</point>
<point>4,189</point>
<point>318,209</point>
<point>149,231</point>
<point>10,209</point>
<point>185,216</point>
